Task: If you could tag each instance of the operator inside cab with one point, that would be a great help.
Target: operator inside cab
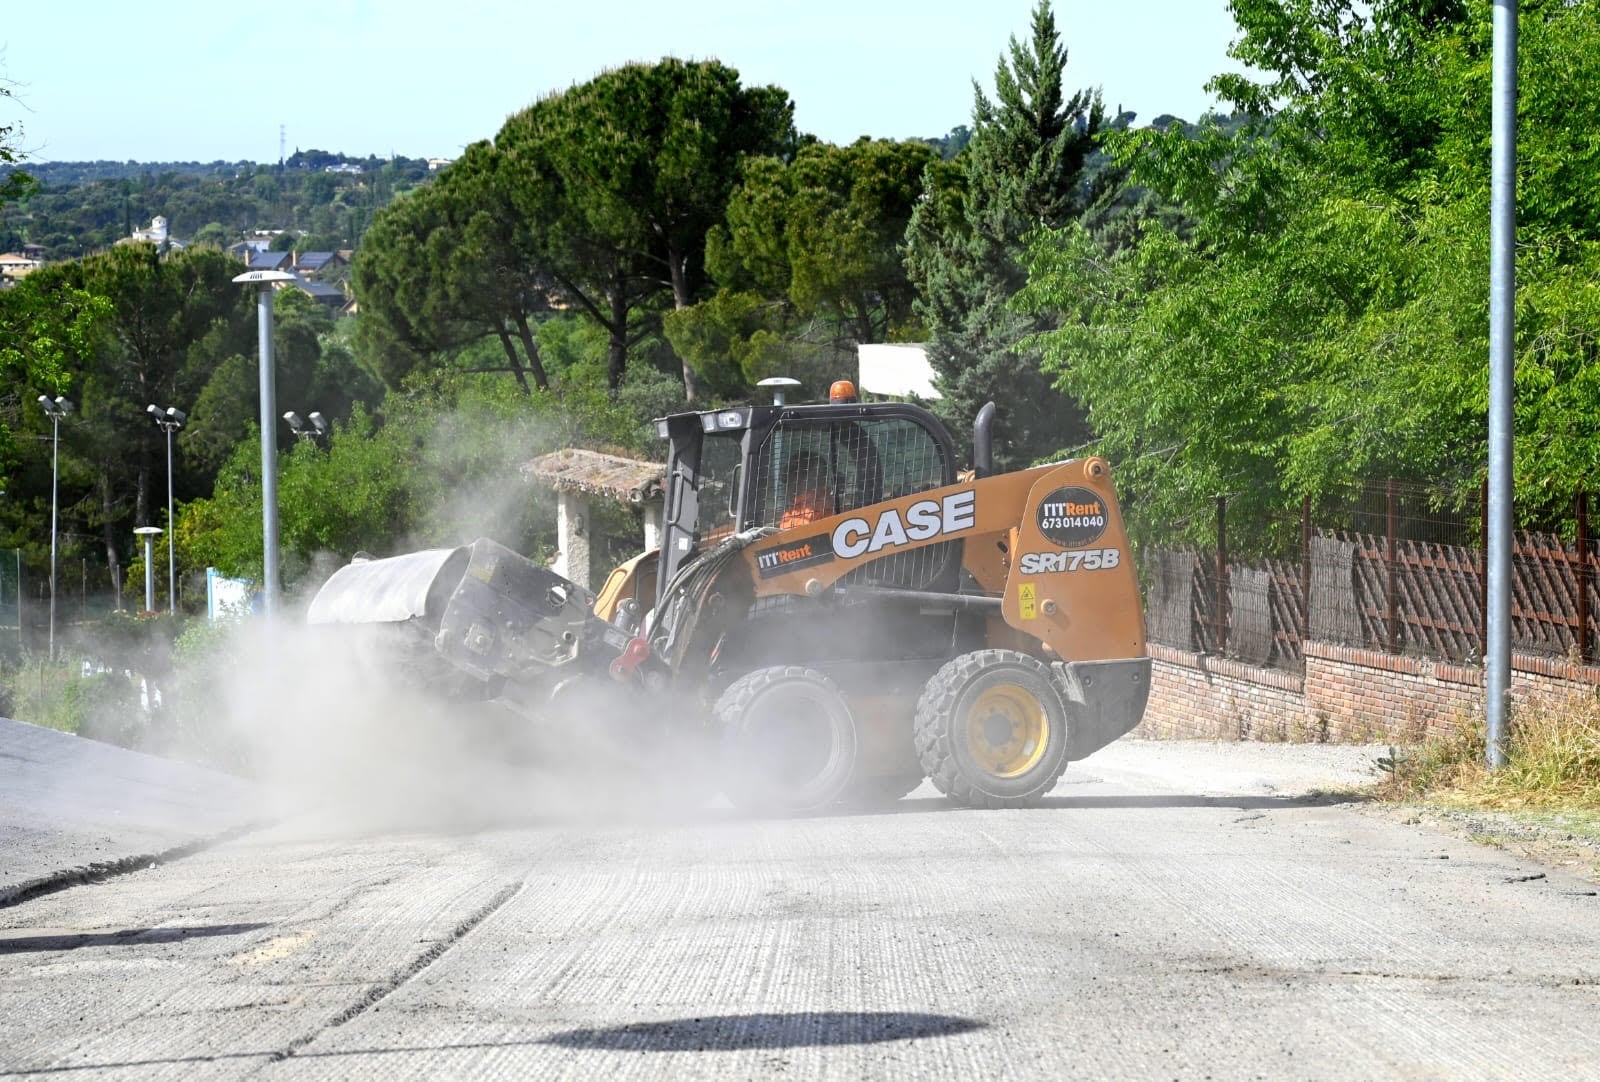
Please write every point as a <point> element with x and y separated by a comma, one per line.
<point>810,496</point>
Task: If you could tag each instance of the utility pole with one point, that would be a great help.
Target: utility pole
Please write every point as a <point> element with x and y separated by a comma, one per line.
<point>54,408</point>
<point>169,420</point>
<point>1502,370</point>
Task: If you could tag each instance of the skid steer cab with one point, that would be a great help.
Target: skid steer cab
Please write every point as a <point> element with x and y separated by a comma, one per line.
<point>836,612</point>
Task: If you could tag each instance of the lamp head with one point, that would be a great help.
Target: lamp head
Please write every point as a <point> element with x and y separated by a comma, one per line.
<point>176,415</point>
<point>295,423</point>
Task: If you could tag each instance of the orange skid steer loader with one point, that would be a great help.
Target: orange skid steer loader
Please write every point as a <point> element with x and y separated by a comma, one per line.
<point>834,613</point>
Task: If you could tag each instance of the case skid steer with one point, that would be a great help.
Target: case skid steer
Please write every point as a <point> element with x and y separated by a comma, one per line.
<point>834,613</point>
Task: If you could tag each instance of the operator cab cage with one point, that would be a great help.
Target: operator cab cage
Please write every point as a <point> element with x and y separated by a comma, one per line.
<point>780,465</point>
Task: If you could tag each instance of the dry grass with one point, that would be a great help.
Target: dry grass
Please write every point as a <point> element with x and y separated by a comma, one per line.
<point>1552,760</point>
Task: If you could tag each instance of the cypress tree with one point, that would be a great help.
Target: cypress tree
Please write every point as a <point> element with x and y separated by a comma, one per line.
<point>1022,170</point>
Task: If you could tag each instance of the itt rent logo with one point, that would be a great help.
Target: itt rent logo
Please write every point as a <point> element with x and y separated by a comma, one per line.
<point>1067,510</point>
<point>768,560</point>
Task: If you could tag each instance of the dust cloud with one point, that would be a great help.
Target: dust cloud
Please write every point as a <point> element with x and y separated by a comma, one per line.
<point>334,722</point>
<point>373,731</point>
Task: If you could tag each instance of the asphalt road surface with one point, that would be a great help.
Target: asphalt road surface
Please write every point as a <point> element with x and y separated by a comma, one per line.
<point>1175,911</point>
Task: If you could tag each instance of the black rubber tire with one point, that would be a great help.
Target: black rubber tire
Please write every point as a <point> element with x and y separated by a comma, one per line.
<point>945,710</point>
<point>868,794</point>
<point>788,740</point>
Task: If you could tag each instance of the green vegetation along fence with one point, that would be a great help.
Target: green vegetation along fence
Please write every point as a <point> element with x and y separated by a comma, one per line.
<point>1383,570</point>
<point>10,602</point>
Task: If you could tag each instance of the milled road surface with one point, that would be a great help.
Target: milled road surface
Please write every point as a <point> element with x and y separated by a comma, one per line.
<point>1169,914</point>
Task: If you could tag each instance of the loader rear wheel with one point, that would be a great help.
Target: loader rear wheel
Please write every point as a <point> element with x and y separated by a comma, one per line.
<point>992,730</point>
<point>788,740</point>
<point>878,792</point>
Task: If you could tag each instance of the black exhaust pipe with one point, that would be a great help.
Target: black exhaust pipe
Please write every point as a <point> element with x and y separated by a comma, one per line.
<point>983,441</point>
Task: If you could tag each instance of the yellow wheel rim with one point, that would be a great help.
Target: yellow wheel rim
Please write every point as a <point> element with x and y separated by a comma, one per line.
<point>1007,730</point>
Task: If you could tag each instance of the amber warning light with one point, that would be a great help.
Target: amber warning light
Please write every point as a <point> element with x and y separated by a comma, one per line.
<point>842,391</point>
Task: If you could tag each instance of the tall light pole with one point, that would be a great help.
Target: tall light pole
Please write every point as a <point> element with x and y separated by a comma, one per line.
<point>1502,378</point>
<point>54,408</point>
<point>265,282</point>
<point>148,535</point>
<point>169,420</point>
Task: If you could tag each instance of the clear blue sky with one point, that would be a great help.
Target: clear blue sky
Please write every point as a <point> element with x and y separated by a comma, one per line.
<point>181,80</point>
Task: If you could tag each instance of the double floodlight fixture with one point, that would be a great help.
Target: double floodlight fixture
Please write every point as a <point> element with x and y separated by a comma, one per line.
<point>170,418</point>
<point>311,426</point>
<point>55,408</point>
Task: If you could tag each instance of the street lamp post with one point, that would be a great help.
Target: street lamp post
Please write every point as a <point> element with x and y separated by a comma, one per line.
<point>169,420</point>
<point>265,282</point>
<point>54,408</point>
<point>149,534</point>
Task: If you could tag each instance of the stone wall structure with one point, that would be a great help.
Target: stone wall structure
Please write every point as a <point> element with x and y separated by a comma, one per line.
<point>1346,694</point>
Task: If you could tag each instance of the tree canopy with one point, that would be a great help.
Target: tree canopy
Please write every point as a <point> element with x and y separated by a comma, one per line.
<point>809,265</point>
<point>1325,319</point>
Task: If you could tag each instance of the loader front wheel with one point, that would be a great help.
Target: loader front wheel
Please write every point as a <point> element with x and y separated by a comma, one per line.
<point>788,740</point>
<point>992,730</point>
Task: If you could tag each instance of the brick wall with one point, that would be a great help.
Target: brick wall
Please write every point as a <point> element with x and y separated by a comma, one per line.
<point>1346,695</point>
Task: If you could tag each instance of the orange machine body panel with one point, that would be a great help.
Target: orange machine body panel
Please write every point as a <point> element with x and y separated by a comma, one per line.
<point>1048,540</point>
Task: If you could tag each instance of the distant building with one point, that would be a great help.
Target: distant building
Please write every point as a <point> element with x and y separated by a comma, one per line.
<point>14,265</point>
<point>321,292</point>
<point>436,164</point>
<point>270,261</point>
<point>248,247</point>
<point>342,167</point>
<point>156,234</point>
<point>311,264</point>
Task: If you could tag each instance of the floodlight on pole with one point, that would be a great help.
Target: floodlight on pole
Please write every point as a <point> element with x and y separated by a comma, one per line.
<point>265,282</point>
<point>54,408</point>
<point>313,426</point>
<point>169,420</point>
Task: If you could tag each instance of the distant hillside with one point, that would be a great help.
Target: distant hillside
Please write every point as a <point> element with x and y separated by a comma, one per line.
<point>80,207</point>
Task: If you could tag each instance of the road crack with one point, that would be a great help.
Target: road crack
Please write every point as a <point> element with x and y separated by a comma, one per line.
<point>377,993</point>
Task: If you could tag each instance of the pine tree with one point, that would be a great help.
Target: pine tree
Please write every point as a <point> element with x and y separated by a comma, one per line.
<point>1022,170</point>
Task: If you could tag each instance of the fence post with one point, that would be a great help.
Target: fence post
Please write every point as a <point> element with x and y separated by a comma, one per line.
<point>1305,569</point>
<point>1583,578</point>
<point>1222,574</point>
<point>1388,566</point>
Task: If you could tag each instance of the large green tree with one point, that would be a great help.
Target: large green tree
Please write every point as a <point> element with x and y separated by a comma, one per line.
<point>808,263</point>
<point>1325,318</point>
<point>160,324</point>
<point>14,183</point>
<point>448,266</point>
<point>312,372</point>
<point>1021,171</point>
<point>619,179</point>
